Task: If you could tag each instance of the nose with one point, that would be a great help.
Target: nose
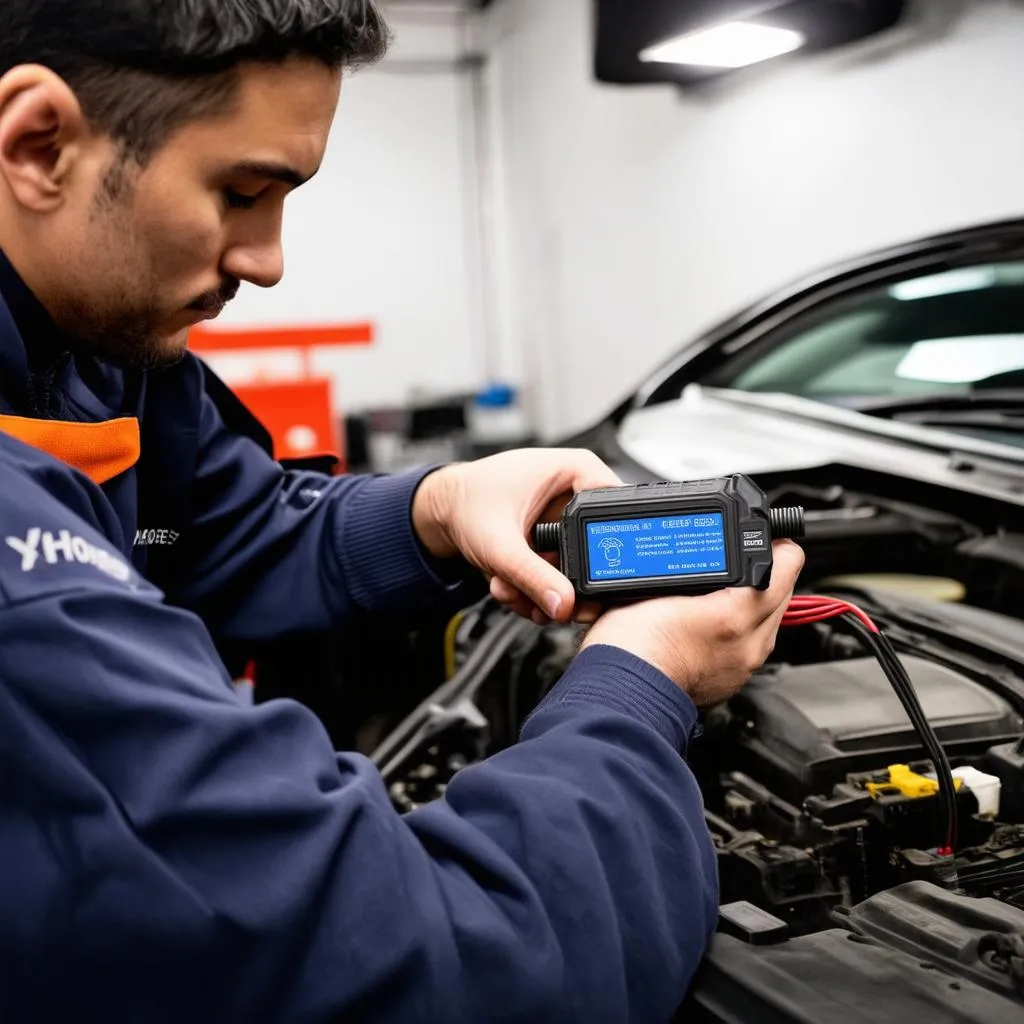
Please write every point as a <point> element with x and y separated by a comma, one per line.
<point>254,253</point>
<point>258,264</point>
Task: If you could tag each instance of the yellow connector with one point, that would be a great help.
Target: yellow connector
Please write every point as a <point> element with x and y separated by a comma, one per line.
<point>451,635</point>
<point>907,782</point>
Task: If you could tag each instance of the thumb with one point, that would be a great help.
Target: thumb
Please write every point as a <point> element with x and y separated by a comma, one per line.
<point>532,575</point>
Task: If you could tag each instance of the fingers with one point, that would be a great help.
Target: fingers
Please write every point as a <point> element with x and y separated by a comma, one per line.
<point>591,473</point>
<point>521,568</point>
<point>788,561</point>
<point>499,502</point>
<point>535,575</point>
<point>518,602</point>
<point>506,594</point>
<point>503,592</point>
<point>585,613</point>
<point>557,475</point>
<point>792,561</point>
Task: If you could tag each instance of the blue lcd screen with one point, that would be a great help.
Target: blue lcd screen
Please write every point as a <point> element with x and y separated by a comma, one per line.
<point>640,549</point>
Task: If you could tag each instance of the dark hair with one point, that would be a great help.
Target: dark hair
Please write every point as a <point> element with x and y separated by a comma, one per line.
<point>143,68</point>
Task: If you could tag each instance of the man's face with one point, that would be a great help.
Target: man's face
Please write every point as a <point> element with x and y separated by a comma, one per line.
<point>132,265</point>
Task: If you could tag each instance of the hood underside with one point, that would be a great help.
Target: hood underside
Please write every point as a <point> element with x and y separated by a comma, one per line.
<point>708,433</point>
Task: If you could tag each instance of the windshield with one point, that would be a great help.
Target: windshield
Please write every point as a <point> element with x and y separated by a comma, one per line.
<point>956,333</point>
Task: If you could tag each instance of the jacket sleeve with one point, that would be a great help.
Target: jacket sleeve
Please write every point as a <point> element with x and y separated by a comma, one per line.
<point>273,552</point>
<point>170,855</point>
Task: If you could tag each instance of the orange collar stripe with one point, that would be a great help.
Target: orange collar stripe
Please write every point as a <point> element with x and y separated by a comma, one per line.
<point>101,451</point>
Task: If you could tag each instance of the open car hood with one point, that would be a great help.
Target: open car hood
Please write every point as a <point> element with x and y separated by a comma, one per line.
<point>711,432</point>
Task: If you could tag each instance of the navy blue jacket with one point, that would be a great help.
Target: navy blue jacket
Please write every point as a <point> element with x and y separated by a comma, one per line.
<point>168,854</point>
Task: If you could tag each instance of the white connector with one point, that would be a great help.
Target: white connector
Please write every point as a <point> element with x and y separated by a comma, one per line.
<point>987,789</point>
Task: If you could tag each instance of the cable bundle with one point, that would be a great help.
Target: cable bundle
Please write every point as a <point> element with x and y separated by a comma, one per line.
<point>806,610</point>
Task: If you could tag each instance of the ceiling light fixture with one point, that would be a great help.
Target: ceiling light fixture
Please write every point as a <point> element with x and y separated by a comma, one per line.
<point>733,45</point>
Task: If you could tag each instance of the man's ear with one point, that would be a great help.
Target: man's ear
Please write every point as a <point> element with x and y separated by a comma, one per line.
<point>42,134</point>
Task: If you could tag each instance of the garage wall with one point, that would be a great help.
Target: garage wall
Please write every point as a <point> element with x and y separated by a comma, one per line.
<point>637,217</point>
<point>386,232</point>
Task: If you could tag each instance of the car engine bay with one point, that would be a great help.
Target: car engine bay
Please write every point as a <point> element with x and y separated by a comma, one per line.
<point>836,904</point>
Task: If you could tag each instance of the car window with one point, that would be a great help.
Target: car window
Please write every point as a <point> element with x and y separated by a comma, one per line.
<point>949,333</point>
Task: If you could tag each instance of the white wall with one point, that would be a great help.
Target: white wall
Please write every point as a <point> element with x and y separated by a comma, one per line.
<point>386,232</point>
<point>637,217</point>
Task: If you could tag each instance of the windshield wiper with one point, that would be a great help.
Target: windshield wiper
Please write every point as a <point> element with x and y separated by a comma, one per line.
<point>994,420</point>
<point>1001,400</point>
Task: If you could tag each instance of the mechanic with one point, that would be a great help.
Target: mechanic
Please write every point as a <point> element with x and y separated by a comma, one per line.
<point>169,854</point>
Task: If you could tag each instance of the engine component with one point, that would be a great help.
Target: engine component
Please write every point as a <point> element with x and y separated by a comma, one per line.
<point>805,728</point>
<point>921,952</point>
<point>1006,762</point>
<point>903,800</point>
<point>817,792</point>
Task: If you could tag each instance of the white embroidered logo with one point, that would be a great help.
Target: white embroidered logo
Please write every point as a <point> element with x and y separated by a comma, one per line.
<point>73,549</point>
<point>150,538</point>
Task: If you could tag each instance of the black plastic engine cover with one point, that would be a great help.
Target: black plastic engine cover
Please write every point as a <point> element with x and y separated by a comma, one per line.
<point>914,953</point>
<point>806,727</point>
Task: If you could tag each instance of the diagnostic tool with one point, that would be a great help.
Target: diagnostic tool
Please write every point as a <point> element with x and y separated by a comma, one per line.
<point>662,539</point>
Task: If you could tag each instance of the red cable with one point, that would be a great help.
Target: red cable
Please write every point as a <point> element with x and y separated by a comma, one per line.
<point>804,610</point>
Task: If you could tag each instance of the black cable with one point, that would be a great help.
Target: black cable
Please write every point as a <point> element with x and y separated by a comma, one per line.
<point>903,687</point>
<point>947,786</point>
<point>944,773</point>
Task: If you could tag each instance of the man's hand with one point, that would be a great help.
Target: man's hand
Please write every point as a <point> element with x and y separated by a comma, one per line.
<point>709,646</point>
<point>486,511</point>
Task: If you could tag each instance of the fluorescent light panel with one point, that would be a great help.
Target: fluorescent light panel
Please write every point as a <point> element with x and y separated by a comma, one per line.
<point>733,45</point>
<point>950,282</point>
<point>962,360</point>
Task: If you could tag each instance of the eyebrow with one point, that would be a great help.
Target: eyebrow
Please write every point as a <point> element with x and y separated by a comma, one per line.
<point>273,172</point>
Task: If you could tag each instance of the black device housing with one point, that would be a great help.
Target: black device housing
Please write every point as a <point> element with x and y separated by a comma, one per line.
<point>747,521</point>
